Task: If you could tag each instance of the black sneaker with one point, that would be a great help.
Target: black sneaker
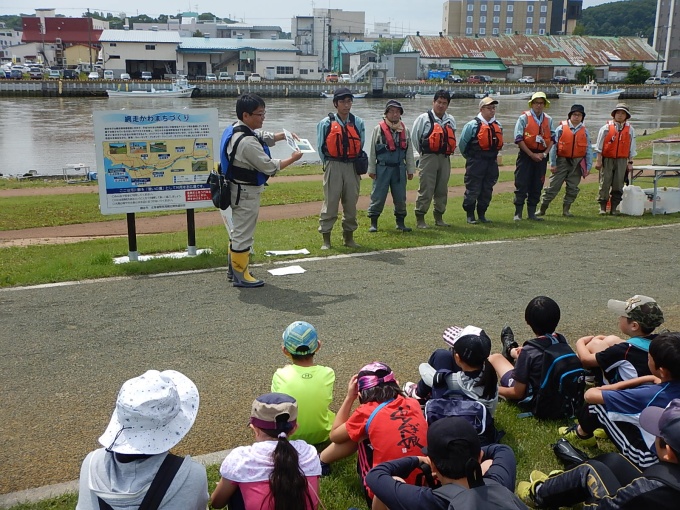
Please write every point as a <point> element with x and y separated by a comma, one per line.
<point>508,343</point>
<point>325,469</point>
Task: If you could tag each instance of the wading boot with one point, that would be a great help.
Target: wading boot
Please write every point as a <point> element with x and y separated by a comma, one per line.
<point>531,213</point>
<point>518,212</point>
<point>230,271</point>
<point>543,209</point>
<point>242,277</point>
<point>374,225</point>
<point>420,221</point>
<point>401,226</point>
<point>603,209</point>
<point>439,220</point>
<point>565,210</point>
<point>481,216</point>
<point>348,239</point>
<point>326,241</point>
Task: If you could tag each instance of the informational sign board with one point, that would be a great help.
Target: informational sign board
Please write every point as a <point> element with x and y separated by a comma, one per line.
<point>151,160</point>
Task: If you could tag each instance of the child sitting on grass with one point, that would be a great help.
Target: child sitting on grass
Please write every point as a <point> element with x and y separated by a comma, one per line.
<point>386,425</point>
<point>273,473</point>
<point>523,379</point>
<point>617,407</point>
<point>309,384</point>
<point>619,359</point>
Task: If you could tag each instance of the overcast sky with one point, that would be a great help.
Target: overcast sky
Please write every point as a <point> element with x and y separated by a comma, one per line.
<point>405,16</point>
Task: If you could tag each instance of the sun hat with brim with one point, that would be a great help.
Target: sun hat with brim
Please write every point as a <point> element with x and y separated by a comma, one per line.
<point>663,423</point>
<point>153,413</point>
<point>539,95</point>
<point>577,108</point>
<point>393,103</point>
<point>622,107</point>
<point>274,411</point>
<point>486,101</point>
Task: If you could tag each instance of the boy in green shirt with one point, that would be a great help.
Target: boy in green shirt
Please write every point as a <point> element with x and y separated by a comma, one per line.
<point>311,385</point>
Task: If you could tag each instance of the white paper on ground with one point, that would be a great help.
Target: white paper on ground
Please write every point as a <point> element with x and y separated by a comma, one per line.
<point>303,251</point>
<point>282,271</point>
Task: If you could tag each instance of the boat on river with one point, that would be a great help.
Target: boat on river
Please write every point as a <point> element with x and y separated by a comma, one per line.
<point>180,88</point>
<point>357,95</point>
<point>591,91</point>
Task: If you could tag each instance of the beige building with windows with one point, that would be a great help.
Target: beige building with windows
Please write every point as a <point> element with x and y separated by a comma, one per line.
<point>481,18</point>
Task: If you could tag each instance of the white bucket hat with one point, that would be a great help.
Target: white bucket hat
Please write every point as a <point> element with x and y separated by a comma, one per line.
<point>153,413</point>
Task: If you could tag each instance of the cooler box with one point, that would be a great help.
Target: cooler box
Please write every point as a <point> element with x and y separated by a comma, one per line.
<point>634,200</point>
<point>666,152</point>
<point>667,200</point>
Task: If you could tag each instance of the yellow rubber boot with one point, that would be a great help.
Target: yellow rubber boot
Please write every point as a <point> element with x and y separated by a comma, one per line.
<point>239,265</point>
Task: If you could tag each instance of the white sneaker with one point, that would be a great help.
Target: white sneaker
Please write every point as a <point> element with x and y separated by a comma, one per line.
<point>410,389</point>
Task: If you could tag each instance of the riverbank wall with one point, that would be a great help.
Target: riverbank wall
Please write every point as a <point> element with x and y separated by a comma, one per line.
<point>98,88</point>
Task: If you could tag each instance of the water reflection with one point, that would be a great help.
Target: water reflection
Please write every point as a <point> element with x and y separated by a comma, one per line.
<point>45,134</point>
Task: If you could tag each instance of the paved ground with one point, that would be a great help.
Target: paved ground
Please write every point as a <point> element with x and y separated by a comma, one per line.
<point>65,350</point>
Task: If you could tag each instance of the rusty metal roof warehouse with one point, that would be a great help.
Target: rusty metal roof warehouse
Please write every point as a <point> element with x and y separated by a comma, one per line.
<point>518,50</point>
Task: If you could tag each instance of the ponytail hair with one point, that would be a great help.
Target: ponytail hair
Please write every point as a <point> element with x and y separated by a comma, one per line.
<point>287,483</point>
<point>488,379</point>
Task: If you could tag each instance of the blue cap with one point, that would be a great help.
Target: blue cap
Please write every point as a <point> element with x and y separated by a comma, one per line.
<point>300,338</point>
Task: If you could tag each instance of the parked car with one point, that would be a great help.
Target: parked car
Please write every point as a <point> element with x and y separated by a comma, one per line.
<point>240,76</point>
<point>94,75</point>
<point>211,77</point>
<point>254,77</point>
<point>486,78</point>
<point>224,76</point>
<point>332,78</point>
<point>35,73</point>
<point>559,79</point>
<point>345,78</point>
<point>146,75</point>
<point>454,78</point>
<point>475,78</point>
<point>16,74</point>
<point>527,79</point>
<point>125,76</point>
<point>657,80</point>
<point>54,74</point>
<point>70,74</point>
<point>108,75</point>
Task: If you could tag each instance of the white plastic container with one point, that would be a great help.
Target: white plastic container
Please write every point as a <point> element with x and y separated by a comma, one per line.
<point>667,200</point>
<point>633,203</point>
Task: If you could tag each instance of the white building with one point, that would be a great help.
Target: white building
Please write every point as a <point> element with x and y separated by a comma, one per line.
<point>134,51</point>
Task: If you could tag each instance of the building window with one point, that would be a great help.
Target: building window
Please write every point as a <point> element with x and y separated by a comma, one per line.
<point>530,8</point>
<point>483,8</point>
<point>112,44</point>
<point>508,30</point>
<point>544,8</point>
<point>468,31</point>
<point>284,69</point>
<point>469,19</point>
<point>150,47</point>
<point>482,31</point>
<point>530,20</point>
<point>496,19</point>
<point>541,31</point>
<point>508,20</point>
<point>541,21</point>
<point>495,31</point>
<point>303,71</point>
<point>482,19</point>
<point>528,31</point>
<point>471,7</point>
<point>114,57</point>
<point>511,8</point>
<point>496,8</point>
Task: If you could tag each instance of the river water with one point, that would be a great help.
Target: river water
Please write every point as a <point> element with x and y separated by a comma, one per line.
<point>47,134</point>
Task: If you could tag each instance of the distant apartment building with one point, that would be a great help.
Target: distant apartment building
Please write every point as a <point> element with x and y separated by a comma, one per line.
<point>667,36</point>
<point>480,18</point>
<point>316,34</point>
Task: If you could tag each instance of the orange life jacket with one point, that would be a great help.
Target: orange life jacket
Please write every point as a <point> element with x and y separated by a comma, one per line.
<point>438,140</point>
<point>532,130</point>
<point>342,142</point>
<point>616,143</point>
<point>489,136</point>
<point>389,137</point>
<point>570,144</point>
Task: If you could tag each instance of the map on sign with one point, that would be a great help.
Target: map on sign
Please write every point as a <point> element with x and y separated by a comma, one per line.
<point>151,160</point>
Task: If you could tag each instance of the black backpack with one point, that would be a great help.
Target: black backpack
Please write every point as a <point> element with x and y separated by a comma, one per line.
<point>563,383</point>
<point>490,496</point>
